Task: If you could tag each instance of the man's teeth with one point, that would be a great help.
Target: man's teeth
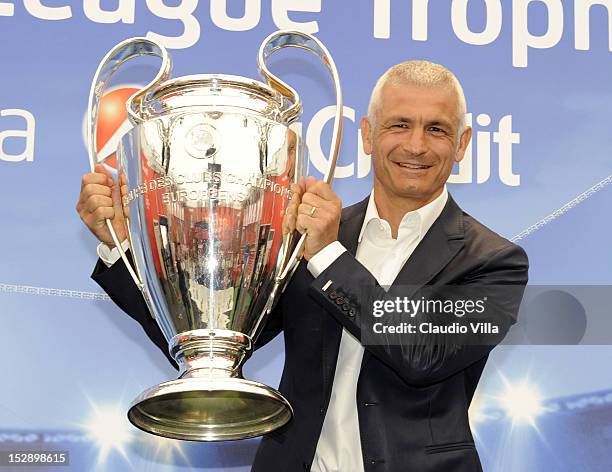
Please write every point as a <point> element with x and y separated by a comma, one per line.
<point>413,166</point>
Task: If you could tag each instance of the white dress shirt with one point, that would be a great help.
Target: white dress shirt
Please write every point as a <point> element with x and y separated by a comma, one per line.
<point>339,446</point>
<point>110,256</point>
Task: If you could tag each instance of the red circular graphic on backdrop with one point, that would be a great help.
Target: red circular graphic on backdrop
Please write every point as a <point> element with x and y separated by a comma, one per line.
<point>111,115</point>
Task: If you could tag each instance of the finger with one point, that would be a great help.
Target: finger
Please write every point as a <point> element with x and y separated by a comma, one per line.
<point>296,194</point>
<point>289,228</point>
<point>98,201</point>
<point>307,209</point>
<point>100,169</point>
<point>110,181</point>
<point>93,222</point>
<point>103,213</point>
<point>296,189</point>
<point>309,182</point>
<point>314,200</point>
<point>323,190</point>
<point>92,205</point>
<point>293,206</point>
<point>324,210</point>
<point>304,223</point>
<point>116,197</point>
<point>289,220</point>
<point>94,178</point>
<point>292,210</point>
<point>124,191</point>
<point>90,190</point>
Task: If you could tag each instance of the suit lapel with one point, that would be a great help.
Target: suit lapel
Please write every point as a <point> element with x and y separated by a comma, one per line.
<point>443,240</point>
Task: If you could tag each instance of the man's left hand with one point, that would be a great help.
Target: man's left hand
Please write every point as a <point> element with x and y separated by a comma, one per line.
<point>318,216</point>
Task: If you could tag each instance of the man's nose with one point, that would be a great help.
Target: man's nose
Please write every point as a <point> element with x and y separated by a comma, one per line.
<point>415,142</point>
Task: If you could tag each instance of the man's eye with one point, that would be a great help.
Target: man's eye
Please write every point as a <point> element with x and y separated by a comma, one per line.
<point>401,125</point>
<point>435,129</point>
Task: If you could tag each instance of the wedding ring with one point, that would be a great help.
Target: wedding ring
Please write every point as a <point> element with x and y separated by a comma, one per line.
<point>312,212</point>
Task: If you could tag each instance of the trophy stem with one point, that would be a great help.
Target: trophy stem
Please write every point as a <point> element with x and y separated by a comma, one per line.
<point>210,401</point>
<point>210,353</point>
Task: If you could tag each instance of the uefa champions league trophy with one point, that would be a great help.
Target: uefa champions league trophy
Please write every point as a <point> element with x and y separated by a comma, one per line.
<point>207,168</point>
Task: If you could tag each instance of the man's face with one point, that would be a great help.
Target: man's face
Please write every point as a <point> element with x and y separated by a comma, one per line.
<point>414,141</point>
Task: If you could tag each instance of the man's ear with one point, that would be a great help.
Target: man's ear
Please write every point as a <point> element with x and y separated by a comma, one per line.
<point>464,141</point>
<point>366,135</point>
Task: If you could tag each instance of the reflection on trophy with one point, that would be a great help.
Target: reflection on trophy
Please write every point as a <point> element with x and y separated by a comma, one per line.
<point>207,169</point>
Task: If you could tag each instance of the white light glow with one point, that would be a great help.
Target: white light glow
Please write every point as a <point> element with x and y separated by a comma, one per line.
<point>165,450</point>
<point>110,430</point>
<point>476,411</point>
<point>522,402</point>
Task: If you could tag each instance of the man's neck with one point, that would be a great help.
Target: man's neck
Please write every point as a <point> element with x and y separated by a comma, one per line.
<point>392,208</point>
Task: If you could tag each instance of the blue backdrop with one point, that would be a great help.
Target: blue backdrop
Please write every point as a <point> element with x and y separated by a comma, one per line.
<point>536,74</point>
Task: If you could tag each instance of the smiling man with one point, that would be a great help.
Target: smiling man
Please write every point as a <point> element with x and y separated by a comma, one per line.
<point>393,403</point>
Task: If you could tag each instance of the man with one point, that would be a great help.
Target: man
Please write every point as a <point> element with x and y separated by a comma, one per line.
<point>383,405</point>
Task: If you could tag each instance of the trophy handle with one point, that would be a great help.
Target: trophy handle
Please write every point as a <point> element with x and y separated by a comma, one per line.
<point>297,39</point>
<point>123,52</point>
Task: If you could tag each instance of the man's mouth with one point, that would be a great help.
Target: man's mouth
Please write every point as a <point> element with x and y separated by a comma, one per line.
<point>411,165</point>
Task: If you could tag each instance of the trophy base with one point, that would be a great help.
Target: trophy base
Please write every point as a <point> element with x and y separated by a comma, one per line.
<point>201,409</point>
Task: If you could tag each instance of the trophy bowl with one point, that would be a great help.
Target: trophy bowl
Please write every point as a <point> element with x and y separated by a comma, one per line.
<point>205,174</point>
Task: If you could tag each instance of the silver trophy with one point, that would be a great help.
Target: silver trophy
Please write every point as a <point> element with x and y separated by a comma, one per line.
<point>205,174</point>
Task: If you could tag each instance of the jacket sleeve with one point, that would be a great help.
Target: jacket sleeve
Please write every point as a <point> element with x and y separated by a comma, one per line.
<point>273,326</point>
<point>347,290</point>
<point>119,286</point>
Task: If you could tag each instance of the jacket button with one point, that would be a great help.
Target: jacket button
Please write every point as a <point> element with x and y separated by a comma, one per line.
<point>351,312</point>
<point>345,307</point>
<point>333,294</point>
<point>339,301</point>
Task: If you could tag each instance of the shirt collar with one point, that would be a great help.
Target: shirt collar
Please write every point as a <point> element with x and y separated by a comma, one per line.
<point>427,214</point>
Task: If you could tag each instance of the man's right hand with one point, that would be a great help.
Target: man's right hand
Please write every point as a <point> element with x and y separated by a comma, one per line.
<point>100,199</point>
